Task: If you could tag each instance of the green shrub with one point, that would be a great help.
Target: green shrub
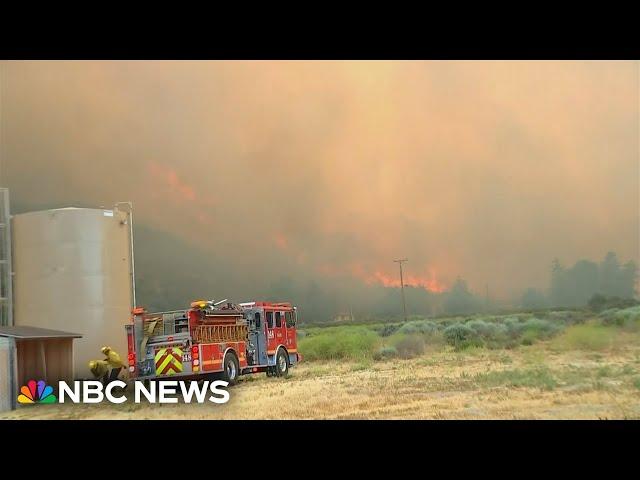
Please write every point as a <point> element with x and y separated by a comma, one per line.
<point>599,302</point>
<point>446,322</point>
<point>461,336</point>
<point>628,370</point>
<point>339,343</point>
<point>633,310</point>
<point>419,326</point>
<point>388,330</point>
<point>528,338</point>
<point>608,317</point>
<point>487,330</point>
<point>537,378</point>
<point>585,337</point>
<point>535,328</point>
<point>513,327</point>
<point>628,317</point>
<point>361,366</point>
<point>413,337</point>
<point>410,346</point>
<point>388,351</point>
<point>505,332</point>
<point>567,317</point>
<point>435,339</point>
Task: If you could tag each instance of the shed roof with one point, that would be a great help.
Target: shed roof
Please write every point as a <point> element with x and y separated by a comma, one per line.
<point>24,332</point>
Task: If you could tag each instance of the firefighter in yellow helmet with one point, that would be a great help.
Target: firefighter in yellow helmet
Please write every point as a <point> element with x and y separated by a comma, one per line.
<point>100,369</point>
<point>113,358</point>
<point>113,361</point>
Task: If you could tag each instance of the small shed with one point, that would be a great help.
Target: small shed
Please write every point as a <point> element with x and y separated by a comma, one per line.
<point>31,353</point>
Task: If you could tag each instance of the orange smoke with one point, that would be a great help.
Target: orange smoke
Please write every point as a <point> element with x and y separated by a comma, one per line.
<point>281,241</point>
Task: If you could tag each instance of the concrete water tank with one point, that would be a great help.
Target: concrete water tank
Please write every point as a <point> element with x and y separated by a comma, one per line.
<point>73,272</point>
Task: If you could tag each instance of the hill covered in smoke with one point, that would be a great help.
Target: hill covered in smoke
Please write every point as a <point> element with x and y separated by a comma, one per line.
<point>307,179</point>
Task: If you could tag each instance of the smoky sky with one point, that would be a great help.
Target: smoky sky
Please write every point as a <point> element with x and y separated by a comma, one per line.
<point>331,169</point>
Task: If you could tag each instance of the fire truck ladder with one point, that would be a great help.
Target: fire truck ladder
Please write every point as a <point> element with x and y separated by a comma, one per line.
<point>220,333</point>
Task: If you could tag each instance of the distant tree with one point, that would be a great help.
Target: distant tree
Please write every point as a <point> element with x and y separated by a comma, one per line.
<point>629,276</point>
<point>281,289</point>
<point>577,285</point>
<point>459,299</point>
<point>558,292</point>
<point>318,304</point>
<point>610,275</point>
<point>599,302</point>
<point>582,282</point>
<point>418,300</point>
<point>533,298</point>
<point>573,286</point>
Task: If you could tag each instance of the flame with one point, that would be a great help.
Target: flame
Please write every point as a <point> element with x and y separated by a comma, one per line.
<point>170,178</point>
<point>429,281</point>
<point>168,186</point>
<point>280,240</point>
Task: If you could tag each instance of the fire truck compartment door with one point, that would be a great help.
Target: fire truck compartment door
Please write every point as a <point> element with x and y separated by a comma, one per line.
<point>259,340</point>
<point>262,352</point>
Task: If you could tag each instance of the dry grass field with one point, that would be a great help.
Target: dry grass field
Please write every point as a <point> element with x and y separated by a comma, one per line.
<point>576,375</point>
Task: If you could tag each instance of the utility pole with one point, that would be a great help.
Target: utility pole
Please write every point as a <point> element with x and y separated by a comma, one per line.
<point>400,261</point>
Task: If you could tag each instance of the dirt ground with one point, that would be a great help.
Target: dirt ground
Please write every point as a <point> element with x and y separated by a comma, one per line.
<point>532,382</point>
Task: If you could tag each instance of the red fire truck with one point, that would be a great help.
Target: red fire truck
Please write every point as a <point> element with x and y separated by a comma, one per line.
<point>219,339</point>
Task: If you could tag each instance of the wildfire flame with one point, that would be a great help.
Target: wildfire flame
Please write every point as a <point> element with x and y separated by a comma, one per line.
<point>429,283</point>
<point>170,178</point>
<point>280,240</point>
<point>170,187</point>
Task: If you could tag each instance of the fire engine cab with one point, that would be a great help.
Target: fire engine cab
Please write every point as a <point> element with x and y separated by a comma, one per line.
<point>220,339</point>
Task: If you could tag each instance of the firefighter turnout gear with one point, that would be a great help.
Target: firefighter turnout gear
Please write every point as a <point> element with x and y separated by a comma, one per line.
<point>107,369</point>
<point>99,368</point>
<point>112,358</point>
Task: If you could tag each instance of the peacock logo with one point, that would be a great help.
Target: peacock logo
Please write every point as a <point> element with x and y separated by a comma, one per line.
<point>38,392</point>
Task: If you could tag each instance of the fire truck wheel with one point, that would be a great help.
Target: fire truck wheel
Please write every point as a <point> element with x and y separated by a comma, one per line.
<point>282,364</point>
<point>231,369</point>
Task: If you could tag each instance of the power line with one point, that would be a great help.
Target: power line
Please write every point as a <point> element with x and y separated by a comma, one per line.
<point>400,261</point>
